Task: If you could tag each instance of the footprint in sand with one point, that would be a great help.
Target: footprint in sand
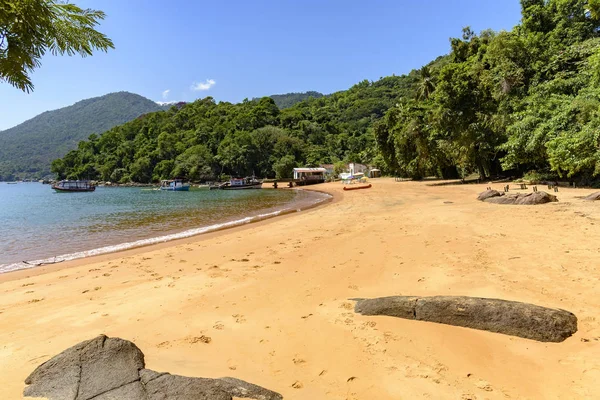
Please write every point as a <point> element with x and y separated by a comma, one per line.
<point>297,385</point>
<point>299,361</point>
<point>219,326</point>
<point>483,385</point>
<point>199,339</point>
<point>239,318</point>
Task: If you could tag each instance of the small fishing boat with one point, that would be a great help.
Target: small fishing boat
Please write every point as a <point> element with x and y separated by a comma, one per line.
<point>358,187</point>
<point>240,184</point>
<point>73,186</point>
<point>176,185</point>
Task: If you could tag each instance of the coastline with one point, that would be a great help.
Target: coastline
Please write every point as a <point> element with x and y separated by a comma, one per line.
<point>161,242</point>
<point>273,297</point>
<point>253,217</point>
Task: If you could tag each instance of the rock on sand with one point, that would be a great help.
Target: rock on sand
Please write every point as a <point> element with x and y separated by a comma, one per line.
<point>593,197</point>
<point>111,368</point>
<point>494,315</point>
<point>517,199</point>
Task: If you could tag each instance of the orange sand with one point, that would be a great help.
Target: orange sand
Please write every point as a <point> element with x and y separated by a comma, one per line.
<point>273,297</point>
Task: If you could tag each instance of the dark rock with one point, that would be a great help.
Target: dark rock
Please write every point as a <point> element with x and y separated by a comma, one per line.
<point>57,378</point>
<point>488,194</point>
<point>239,388</point>
<point>167,386</point>
<point>494,315</point>
<point>593,197</point>
<point>523,199</point>
<point>107,364</point>
<point>111,368</point>
<point>133,390</point>
<point>394,306</point>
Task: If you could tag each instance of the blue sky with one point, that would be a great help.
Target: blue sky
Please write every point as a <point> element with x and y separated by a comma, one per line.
<point>183,50</point>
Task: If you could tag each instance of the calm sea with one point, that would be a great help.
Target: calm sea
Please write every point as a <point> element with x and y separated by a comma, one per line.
<point>38,225</point>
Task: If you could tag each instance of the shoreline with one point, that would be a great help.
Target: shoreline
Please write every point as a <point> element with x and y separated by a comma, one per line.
<point>36,270</point>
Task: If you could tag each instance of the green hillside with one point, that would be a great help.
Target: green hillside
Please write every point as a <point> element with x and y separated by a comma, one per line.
<point>501,103</point>
<point>204,139</point>
<point>289,99</point>
<point>27,150</point>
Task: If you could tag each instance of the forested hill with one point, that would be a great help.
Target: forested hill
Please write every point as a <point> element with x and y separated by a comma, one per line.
<point>509,102</point>
<point>28,149</point>
<point>289,99</point>
<point>204,139</point>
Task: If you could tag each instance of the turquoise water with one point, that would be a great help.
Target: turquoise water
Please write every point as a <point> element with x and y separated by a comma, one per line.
<point>40,225</point>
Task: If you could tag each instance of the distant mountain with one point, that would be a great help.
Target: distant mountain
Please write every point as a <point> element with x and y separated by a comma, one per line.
<point>27,150</point>
<point>289,99</point>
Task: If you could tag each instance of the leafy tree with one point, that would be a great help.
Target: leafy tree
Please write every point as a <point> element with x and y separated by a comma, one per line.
<point>284,168</point>
<point>426,86</point>
<point>30,28</point>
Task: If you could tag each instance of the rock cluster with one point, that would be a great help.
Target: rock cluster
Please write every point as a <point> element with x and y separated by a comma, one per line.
<point>493,196</point>
<point>494,315</point>
<point>106,368</point>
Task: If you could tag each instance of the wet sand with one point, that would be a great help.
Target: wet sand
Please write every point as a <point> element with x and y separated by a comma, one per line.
<point>273,298</point>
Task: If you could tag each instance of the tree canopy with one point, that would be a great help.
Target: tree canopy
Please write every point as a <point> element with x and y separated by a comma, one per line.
<point>31,28</point>
<point>499,103</point>
<point>507,102</point>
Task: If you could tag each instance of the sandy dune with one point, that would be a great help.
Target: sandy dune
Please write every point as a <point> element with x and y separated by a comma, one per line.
<point>268,303</point>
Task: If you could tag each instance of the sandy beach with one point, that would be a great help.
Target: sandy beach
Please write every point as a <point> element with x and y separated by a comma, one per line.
<point>269,302</point>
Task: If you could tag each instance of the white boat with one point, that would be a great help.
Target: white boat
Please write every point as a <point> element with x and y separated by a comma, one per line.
<point>241,184</point>
<point>176,185</point>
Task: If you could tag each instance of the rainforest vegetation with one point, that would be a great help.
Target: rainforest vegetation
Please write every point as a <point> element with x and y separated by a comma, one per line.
<point>500,103</point>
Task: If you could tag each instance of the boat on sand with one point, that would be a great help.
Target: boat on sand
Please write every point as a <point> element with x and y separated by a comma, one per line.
<point>357,187</point>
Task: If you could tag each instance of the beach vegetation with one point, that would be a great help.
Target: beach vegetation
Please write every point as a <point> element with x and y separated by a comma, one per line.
<point>500,103</point>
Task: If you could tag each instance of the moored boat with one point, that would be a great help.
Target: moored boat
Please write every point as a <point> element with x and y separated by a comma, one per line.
<point>176,185</point>
<point>241,183</point>
<point>73,186</point>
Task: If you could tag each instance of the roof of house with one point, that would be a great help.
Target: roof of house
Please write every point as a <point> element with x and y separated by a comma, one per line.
<point>310,170</point>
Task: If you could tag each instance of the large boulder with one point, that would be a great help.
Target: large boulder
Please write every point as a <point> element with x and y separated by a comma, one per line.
<point>113,369</point>
<point>489,194</point>
<point>593,197</point>
<point>523,198</point>
<point>494,315</point>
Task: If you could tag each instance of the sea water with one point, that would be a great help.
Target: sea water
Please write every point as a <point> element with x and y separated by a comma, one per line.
<point>40,226</point>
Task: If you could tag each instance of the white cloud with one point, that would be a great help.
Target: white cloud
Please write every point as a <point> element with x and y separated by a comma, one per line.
<point>165,94</point>
<point>203,85</point>
<point>162,103</point>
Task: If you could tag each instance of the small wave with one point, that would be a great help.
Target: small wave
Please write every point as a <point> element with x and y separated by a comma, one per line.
<point>159,239</point>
